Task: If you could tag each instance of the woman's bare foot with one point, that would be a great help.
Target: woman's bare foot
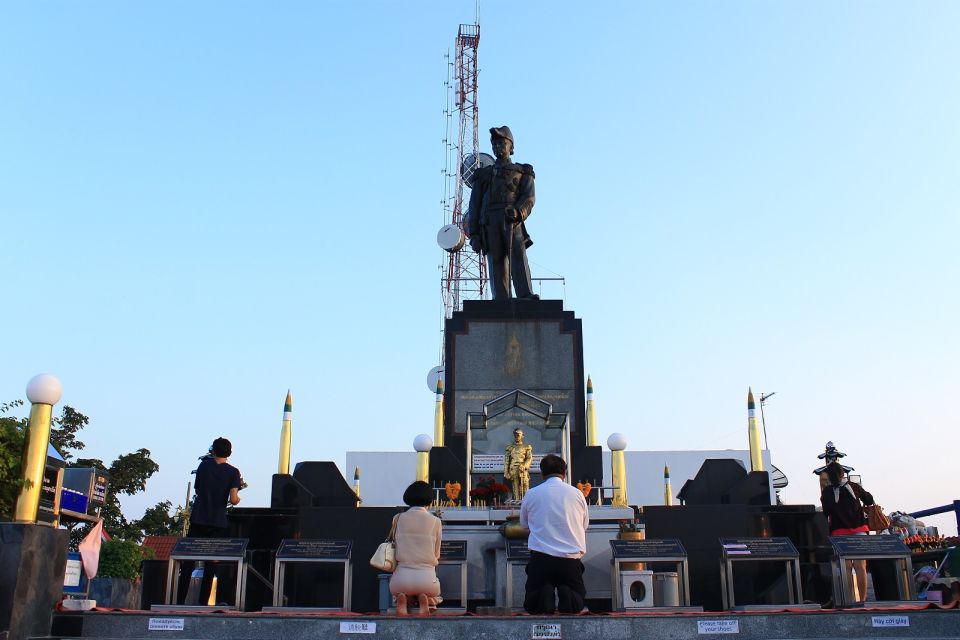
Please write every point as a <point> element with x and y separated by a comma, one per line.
<point>402,605</point>
<point>424,604</point>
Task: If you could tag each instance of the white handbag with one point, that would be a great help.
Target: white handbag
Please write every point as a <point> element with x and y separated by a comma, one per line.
<point>385,557</point>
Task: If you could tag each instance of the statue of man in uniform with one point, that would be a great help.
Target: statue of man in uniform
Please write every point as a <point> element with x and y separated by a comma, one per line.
<point>516,465</point>
<point>501,200</point>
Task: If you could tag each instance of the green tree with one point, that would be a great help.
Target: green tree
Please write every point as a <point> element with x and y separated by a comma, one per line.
<point>63,436</point>
<point>157,521</point>
<point>128,476</point>
<point>129,473</point>
<point>63,431</point>
<point>12,432</point>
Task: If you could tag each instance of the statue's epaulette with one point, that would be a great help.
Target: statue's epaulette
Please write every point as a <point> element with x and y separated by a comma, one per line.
<point>527,169</point>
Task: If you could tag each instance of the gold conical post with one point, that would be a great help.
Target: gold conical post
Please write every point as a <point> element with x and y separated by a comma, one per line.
<point>591,416</point>
<point>286,436</point>
<point>438,416</point>
<point>753,433</point>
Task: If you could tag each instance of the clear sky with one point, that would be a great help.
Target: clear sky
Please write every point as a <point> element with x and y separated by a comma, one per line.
<point>205,204</point>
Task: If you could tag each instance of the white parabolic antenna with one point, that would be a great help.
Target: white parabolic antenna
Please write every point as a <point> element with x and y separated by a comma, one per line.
<point>437,373</point>
<point>471,163</point>
<point>451,238</point>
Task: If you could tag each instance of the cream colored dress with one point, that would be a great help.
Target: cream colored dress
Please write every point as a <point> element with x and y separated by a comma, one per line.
<point>418,552</point>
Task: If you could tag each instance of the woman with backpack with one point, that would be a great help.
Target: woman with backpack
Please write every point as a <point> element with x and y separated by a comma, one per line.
<point>843,503</point>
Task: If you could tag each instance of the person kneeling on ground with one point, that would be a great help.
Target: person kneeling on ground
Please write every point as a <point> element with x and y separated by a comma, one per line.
<point>555,514</point>
<point>416,533</point>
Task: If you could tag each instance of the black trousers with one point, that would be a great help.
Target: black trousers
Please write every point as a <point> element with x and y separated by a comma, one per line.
<point>554,583</point>
<point>507,259</point>
<point>225,581</point>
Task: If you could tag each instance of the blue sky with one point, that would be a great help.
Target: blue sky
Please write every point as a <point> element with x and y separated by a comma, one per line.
<point>203,206</point>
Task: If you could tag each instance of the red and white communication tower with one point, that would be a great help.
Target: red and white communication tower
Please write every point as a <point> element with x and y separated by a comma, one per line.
<point>464,272</point>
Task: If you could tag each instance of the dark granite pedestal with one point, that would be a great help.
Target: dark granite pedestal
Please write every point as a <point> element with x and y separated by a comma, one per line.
<point>33,559</point>
<point>494,348</point>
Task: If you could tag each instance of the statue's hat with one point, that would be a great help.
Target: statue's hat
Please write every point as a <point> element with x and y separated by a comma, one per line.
<point>502,132</point>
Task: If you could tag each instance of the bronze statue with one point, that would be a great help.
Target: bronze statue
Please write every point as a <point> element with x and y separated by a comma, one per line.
<point>501,200</point>
<point>516,465</point>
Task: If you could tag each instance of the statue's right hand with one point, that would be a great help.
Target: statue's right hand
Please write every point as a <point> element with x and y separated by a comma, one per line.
<point>475,243</point>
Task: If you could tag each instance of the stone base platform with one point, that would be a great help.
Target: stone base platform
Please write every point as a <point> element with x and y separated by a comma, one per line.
<point>913,622</point>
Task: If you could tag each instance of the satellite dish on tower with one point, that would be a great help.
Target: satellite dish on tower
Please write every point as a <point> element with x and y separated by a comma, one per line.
<point>778,478</point>
<point>437,373</point>
<point>451,238</point>
<point>471,163</point>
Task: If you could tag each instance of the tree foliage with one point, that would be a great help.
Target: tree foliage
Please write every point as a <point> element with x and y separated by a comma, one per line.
<point>63,431</point>
<point>12,432</point>
<point>121,559</point>
<point>128,473</point>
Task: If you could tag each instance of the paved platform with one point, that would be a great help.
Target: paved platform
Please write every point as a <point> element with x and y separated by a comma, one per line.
<point>928,623</point>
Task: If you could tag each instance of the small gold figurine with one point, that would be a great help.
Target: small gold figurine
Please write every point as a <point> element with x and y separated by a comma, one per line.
<point>516,465</point>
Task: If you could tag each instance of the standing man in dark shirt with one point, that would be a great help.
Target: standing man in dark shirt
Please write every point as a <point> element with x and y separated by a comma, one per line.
<point>218,482</point>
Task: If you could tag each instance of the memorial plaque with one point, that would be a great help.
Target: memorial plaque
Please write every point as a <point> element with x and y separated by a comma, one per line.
<point>758,548</point>
<point>517,550</point>
<point>889,545</point>
<point>292,549</point>
<point>210,547</point>
<point>453,550</point>
<point>657,548</point>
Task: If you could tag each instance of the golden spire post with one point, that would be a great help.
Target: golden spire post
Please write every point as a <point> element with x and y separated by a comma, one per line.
<point>438,416</point>
<point>591,416</point>
<point>356,483</point>
<point>422,444</point>
<point>286,436</point>
<point>43,391</point>
<point>753,433</point>
<point>667,489</point>
<point>618,468</point>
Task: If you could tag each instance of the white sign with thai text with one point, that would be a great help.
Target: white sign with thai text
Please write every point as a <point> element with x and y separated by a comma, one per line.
<point>546,631</point>
<point>487,463</point>
<point>72,577</point>
<point>493,462</point>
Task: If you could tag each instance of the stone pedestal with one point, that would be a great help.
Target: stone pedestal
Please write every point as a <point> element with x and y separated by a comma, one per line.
<point>493,348</point>
<point>33,560</point>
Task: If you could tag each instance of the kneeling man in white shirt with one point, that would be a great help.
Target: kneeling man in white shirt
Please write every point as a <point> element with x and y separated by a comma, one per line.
<point>555,514</point>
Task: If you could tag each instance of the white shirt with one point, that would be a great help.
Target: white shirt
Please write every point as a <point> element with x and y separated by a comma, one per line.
<point>556,515</point>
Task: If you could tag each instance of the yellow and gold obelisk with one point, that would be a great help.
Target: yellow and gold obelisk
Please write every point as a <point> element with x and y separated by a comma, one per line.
<point>618,469</point>
<point>438,416</point>
<point>591,416</point>
<point>286,436</point>
<point>667,489</point>
<point>356,484</point>
<point>43,391</point>
<point>753,433</point>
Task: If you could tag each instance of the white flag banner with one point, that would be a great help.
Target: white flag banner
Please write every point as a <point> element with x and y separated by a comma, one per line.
<point>90,550</point>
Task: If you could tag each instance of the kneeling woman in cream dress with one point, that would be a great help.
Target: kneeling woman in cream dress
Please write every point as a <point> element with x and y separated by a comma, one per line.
<point>417,536</point>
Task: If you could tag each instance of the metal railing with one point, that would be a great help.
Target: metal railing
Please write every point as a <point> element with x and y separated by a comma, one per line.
<point>955,507</point>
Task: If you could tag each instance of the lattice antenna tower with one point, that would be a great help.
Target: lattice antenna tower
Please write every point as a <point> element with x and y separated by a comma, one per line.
<point>464,272</point>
